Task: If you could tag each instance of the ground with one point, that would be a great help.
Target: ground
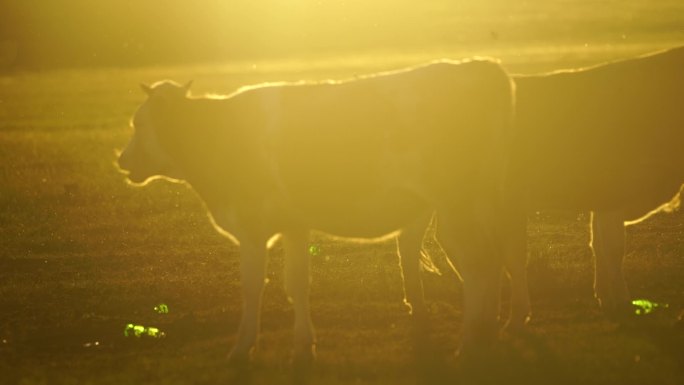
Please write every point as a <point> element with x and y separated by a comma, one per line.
<point>82,255</point>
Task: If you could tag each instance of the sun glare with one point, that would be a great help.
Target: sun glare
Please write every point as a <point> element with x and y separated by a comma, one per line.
<point>330,156</point>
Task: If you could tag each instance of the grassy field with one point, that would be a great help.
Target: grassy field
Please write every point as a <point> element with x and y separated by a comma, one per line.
<point>82,255</point>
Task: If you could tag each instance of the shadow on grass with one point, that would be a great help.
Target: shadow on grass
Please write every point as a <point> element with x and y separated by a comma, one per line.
<point>661,331</point>
<point>521,359</point>
<point>251,371</point>
<point>242,374</point>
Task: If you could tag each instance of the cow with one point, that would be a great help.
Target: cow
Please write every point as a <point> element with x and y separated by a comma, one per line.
<point>367,157</point>
<point>606,139</point>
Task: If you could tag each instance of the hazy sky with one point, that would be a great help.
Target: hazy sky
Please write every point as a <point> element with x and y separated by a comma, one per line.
<point>65,32</point>
<point>46,33</point>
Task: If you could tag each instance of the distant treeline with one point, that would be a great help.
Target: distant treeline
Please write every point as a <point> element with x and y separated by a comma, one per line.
<point>68,33</point>
<point>36,34</point>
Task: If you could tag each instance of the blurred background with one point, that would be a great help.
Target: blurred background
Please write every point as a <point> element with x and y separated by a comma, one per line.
<point>82,254</point>
<point>39,34</point>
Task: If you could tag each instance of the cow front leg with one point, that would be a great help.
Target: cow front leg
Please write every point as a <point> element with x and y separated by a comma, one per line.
<point>297,280</point>
<point>253,274</point>
<point>476,252</point>
<point>608,246</point>
<point>409,246</point>
<point>515,257</point>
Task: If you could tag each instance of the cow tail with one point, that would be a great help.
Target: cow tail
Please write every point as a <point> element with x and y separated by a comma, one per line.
<point>437,262</point>
<point>432,257</point>
<point>427,263</point>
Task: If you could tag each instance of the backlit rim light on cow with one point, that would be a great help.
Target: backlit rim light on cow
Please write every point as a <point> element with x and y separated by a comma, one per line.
<point>668,207</point>
<point>368,159</point>
<point>152,179</point>
<point>148,180</point>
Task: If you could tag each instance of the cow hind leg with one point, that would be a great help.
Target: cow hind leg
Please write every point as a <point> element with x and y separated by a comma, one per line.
<point>608,246</point>
<point>297,280</point>
<point>409,245</point>
<point>253,273</point>
<point>475,249</point>
<point>515,254</point>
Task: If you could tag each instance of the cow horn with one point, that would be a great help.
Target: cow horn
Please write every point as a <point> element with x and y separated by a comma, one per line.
<point>187,85</point>
<point>146,89</point>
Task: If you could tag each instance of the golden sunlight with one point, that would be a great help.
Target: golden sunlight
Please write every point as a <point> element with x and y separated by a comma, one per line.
<point>272,205</point>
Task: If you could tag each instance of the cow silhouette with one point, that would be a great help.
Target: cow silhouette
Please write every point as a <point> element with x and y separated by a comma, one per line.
<point>608,139</point>
<point>368,157</point>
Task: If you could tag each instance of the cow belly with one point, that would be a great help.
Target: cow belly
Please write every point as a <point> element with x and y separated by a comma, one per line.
<point>636,193</point>
<point>370,216</point>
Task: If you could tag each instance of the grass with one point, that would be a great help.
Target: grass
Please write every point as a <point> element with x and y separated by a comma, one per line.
<point>82,254</point>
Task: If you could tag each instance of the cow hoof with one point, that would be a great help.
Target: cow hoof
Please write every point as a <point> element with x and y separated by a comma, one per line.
<point>619,313</point>
<point>475,349</point>
<point>517,326</point>
<point>679,324</point>
<point>469,357</point>
<point>303,359</point>
<point>239,359</point>
<point>420,323</point>
<point>304,356</point>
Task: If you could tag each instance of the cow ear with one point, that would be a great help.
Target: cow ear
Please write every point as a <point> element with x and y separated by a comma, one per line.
<point>146,89</point>
<point>187,85</point>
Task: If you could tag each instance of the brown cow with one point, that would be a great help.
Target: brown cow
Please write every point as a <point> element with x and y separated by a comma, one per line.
<point>362,158</point>
<point>608,139</point>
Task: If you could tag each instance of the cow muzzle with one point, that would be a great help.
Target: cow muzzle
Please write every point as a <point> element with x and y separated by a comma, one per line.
<point>125,165</point>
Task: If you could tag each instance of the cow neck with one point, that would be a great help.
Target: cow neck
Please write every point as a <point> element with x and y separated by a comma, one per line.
<point>216,150</point>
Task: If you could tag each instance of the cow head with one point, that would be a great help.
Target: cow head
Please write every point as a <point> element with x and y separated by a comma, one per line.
<point>144,158</point>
